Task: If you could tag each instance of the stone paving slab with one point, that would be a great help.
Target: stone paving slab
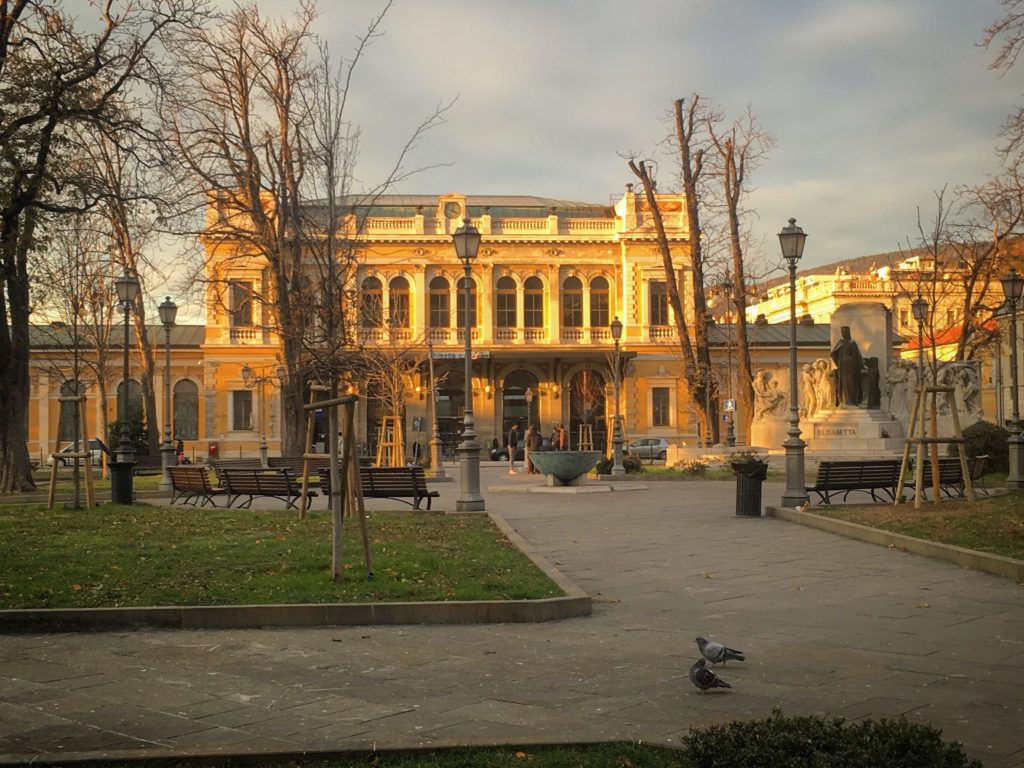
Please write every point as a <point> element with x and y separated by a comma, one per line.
<point>830,625</point>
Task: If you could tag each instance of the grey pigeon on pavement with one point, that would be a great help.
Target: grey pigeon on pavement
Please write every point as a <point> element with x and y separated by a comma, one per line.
<point>704,678</point>
<point>716,652</point>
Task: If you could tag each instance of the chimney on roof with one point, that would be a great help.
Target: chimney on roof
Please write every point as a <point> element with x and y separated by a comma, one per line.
<point>806,319</point>
<point>761,320</point>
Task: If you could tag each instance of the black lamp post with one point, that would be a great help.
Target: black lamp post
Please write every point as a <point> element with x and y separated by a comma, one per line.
<point>1013,287</point>
<point>168,314</point>
<point>919,307</point>
<point>792,238</point>
<point>730,438</point>
<point>121,472</point>
<point>618,469</point>
<point>467,245</point>
<point>436,466</point>
<point>261,381</point>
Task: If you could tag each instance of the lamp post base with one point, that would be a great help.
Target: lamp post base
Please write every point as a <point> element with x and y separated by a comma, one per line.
<point>166,460</point>
<point>1015,478</point>
<point>795,494</point>
<point>469,499</point>
<point>263,451</point>
<point>436,466</point>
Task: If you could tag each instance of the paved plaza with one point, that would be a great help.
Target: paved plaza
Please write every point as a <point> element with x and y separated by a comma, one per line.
<point>829,625</point>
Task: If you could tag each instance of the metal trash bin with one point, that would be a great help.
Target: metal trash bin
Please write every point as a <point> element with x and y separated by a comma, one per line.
<point>121,485</point>
<point>749,476</point>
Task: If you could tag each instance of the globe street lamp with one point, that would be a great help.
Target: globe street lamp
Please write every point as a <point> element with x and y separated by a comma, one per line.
<point>261,381</point>
<point>618,470</point>
<point>792,238</point>
<point>1013,286</point>
<point>730,439</point>
<point>436,467</point>
<point>467,245</point>
<point>127,286</point>
<point>168,314</point>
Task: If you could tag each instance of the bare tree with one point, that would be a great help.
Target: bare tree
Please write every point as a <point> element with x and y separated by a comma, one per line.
<point>54,77</point>
<point>1007,34</point>
<point>688,141</point>
<point>741,148</point>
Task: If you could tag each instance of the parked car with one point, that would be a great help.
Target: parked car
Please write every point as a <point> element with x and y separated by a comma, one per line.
<point>649,448</point>
<point>95,446</point>
<point>501,454</point>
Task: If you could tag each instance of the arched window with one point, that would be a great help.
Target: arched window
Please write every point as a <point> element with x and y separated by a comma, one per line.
<point>134,403</point>
<point>533,303</point>
<point>398,296</point>
<point>598,303</point>
<point>440,303</point>
<point>506,303</point>
<point>186,410</point>
<point>572,303</point>
<point>68,412</point>
<point>372,296</point>
<point>461,303</point>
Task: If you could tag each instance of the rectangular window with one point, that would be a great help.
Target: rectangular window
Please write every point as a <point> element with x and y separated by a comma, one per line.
<point>598,310</point>
<point>241,409</point>
<point>506,309</point>
<point>440,311</point>
<point>659,302</point>
<point>241,303</point>
<point>904,318</point>
<point>660,416</point>
<point>572,310</point>
<point>533,309</point>
<point>950,318</point>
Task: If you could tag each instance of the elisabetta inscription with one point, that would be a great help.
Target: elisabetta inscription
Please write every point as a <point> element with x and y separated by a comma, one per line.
<point>835,431</point>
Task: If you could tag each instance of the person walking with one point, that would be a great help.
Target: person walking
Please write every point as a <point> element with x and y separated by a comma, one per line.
<point>532,444</point>
<point>513,445</point>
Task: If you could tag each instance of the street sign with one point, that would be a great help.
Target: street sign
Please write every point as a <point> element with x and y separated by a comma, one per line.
<point>725,418</point>
<point>728,405</point>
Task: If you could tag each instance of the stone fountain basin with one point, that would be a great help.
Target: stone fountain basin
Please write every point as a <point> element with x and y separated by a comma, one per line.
<point>566,467</point>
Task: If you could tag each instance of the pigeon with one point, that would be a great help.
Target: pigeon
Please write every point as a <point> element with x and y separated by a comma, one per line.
<point>704,678</point>
<point>718,653</point>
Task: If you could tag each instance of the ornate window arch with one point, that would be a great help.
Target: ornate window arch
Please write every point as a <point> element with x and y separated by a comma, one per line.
<point>186,410</point>
<point>505,303</point>
<point>372,302</point>
<point>572,302</point>
<point>440,303</point>
<point>398,302</point>
<point>599,303</point>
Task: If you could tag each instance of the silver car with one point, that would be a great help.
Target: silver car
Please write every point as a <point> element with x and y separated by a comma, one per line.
<point>649,448</point>
<point>95,447</point>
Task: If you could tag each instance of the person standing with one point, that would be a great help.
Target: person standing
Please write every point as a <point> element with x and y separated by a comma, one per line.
<point>513,445</point>
<point>532,444</point>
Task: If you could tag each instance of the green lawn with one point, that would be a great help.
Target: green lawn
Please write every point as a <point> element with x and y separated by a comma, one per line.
<point>146,555</point>
<point>992,524</point>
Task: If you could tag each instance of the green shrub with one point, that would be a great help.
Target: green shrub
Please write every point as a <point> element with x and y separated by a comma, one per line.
<point>983,438</point>
<point>631,464</point>
<point>792,742</point>
<point>691,467</point>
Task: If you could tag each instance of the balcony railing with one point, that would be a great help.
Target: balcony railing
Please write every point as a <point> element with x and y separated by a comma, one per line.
<point>662,332</point>
<point>572,335</point>
<point>246,334</point>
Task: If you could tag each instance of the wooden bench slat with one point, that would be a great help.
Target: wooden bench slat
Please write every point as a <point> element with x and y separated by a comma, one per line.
<point>399,483</point>
<point>274,483</point>
<point>835,477</point>
<point>193,483</point>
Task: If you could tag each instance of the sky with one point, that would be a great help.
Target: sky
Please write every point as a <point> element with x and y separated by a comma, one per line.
<point>874,105</point>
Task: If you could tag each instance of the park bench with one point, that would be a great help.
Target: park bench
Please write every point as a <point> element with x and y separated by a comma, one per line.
<point>296,464</point>
<point>399,483</point>
<point>951,475</point>
<point>271,483</point>
<point>150,464</point>
<point>219,465</point>
<point>192,483</point>
<point>871,476</point>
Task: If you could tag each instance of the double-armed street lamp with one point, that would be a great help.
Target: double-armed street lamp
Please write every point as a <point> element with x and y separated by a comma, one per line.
<point>250,381</point>
<point>792,238</point>
<point>168,314</point>
<point>467,244</point>
<point>618,469</point>
<point>1013,287</point>
<point>127,286</point>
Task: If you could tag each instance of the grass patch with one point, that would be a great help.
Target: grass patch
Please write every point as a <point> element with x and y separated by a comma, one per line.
<point>114,556</point>
<point>66,483</point>
<point>993,524</point>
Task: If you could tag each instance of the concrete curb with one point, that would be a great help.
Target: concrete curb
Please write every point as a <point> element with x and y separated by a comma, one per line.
<point>573,604</point>
<point>966,558</point>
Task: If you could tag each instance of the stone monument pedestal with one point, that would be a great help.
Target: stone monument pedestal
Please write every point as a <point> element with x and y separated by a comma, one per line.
<point>854,432</point>
<point>770,432</point>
